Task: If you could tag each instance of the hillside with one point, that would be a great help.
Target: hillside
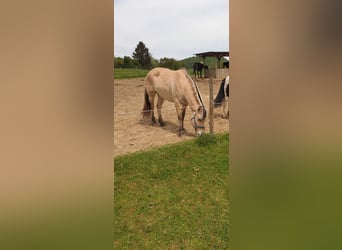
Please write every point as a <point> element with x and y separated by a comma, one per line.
<point>171,63</point>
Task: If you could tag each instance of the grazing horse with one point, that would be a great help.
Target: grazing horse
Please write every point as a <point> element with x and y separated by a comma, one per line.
<point>226,64</point>
<point>178,87</point>
<point>198,67</point>
<point>221,98</point>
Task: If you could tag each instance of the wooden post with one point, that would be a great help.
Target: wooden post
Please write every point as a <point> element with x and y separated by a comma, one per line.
<point>211,105</point>
<point>218,61</point>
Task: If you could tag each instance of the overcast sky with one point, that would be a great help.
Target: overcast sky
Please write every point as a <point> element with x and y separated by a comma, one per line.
<point>175,29</point>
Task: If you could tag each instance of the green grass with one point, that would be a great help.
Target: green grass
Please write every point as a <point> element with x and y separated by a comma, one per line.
<point>173,197</point>
<point>129,73</point>
<point>206,139</point>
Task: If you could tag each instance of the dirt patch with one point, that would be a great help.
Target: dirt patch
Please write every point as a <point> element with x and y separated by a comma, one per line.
<point>132,133</point>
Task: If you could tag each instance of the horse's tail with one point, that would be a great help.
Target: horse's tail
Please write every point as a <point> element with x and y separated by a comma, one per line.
<point>220,96</point>
<point>146,112</point>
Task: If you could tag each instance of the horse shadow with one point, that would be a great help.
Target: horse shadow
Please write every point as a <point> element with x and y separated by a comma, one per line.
<point>169,126</point>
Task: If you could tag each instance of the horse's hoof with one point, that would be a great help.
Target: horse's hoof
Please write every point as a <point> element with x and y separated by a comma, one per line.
<point>181,132</point>
<point>161,123</point>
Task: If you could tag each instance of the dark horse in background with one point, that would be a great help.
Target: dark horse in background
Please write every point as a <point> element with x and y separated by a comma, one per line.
<point>221,99</point>
<point>226,64</point>
<point>198,67</point>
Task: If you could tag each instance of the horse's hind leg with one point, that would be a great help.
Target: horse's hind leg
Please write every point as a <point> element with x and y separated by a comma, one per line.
<point>151,99</point>
<point>159,106</point>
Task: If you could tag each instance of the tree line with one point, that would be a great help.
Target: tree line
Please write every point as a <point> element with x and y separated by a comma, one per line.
<point>142,58</point>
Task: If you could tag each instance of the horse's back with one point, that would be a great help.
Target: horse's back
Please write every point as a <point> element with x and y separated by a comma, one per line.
<point>164,81</point>
<point>158,75</point>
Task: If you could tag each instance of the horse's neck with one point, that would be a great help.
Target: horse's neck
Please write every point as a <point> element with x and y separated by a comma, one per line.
<point>193,99</point>
<point>194,105</point>
<point>192,94</point>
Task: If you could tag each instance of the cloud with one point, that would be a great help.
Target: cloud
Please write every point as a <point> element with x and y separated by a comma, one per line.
<point>175,29</point>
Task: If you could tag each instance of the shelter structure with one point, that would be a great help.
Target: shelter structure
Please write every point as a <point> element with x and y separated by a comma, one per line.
<point>218,72</point>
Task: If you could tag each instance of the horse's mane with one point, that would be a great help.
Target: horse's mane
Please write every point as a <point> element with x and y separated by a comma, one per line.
<point>195,88</point>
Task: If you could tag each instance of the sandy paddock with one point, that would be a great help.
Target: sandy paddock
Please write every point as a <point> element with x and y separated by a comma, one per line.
<point>132,133</point>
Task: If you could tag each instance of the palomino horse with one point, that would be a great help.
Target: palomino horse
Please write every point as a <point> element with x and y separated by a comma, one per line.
<point>221,98</point>
<point>198,67</point>
<point>179,88</point>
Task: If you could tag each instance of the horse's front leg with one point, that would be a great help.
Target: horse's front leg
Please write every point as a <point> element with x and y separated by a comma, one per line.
<point>180,115</point>
<point>183,115</point>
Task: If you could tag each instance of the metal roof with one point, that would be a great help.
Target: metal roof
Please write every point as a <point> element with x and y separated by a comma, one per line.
<point>213,53</point>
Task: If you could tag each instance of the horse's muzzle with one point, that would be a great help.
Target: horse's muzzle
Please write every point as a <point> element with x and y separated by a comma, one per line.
<point>199,133</point>
<point>198,128</point>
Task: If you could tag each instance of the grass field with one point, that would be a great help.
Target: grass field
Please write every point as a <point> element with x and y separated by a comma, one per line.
<point>129,73</point>
<point>173,197</point>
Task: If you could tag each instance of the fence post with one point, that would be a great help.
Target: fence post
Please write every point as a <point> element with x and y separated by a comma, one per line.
<point>211,105</point>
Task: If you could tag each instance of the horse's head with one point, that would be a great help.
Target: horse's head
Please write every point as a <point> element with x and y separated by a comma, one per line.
<point>198,119</point>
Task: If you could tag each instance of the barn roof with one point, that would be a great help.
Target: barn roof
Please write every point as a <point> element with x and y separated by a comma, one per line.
<point>213,53</point>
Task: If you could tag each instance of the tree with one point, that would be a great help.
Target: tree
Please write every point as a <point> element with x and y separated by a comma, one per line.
<point>142,55</point>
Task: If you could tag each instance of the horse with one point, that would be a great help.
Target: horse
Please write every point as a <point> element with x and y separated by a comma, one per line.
<point>226,64</point>
<point>198,67</point>
<point>221,98</point>
<point>178,87</point>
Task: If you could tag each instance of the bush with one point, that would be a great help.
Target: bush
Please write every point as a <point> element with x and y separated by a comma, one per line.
<point>169,63</point>
<point>118,62</point>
